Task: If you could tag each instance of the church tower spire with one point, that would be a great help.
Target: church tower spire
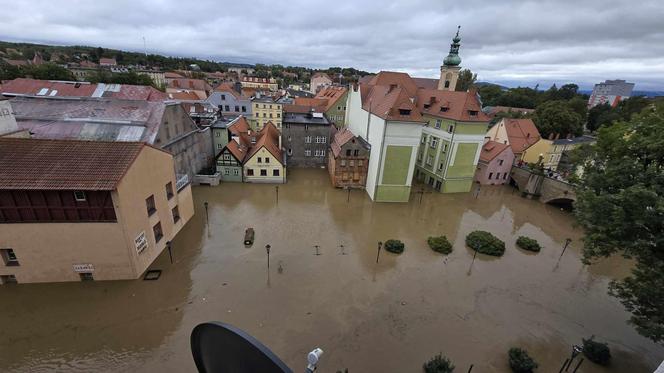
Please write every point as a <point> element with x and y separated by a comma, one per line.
<point>449,71</point>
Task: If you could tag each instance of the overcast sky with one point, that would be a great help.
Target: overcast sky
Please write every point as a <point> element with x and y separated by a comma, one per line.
<point>509,41</point>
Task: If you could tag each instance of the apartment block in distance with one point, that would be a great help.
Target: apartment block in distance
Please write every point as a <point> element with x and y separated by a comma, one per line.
<point>74,210</point>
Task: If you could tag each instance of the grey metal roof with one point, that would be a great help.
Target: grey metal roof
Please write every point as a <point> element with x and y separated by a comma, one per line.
<point>574,140</point>
<point>305,118</point>
<point>89,118</point>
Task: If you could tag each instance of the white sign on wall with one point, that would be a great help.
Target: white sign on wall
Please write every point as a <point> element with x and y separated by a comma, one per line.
<point>141,242</point>
<point>83,268</point>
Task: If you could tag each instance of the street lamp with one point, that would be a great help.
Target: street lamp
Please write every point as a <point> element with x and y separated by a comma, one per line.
<point>380,244</point>
<point>576,350</point>
<point>267,249</point>
<point>567,242</point>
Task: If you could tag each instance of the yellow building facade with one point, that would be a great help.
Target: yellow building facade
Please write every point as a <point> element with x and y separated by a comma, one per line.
<point>541,148</point>
<point>266,110</point>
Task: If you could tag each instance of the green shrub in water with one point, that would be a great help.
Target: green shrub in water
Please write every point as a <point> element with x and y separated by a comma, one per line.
<point>440,244</point>
<point>520,361</point>
<point>485,243</point>
<point>528,243</point>
<point>394,246</point>
<point>438,364</point>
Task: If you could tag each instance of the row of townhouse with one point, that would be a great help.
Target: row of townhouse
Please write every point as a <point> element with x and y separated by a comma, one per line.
<point>516,142</point>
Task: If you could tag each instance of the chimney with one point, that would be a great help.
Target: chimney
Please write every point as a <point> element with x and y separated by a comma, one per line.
<point>279,141</point>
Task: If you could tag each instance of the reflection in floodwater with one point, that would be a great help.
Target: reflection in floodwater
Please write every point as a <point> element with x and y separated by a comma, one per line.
<point>368,317</point>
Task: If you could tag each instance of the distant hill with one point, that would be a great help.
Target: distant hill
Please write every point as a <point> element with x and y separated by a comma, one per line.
<point>634,93</point>
<point>484,84</point>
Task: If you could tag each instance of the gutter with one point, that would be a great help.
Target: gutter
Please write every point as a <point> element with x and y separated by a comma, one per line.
<point>380,158</point>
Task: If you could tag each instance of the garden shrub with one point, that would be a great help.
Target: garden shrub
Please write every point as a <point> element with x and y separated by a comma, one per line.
<point>440,244</point>
<point>596,352</point>
<point>528,243</point>
<point>485,243</point>
<point>394,246</point>
<point>520,361</point>
<point>438,364</point>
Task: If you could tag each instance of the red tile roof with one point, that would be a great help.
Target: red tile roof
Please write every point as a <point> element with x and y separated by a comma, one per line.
<point>332,95</point>
<point>491,150</point>
<point>186,83</point>
<point>183,95</point>
<point>340,138</point>
<point>521,133</point>
<point>390,103</point>
<point>108,61</point>
<point>267,137</point>
<point>321,75</point>
<point>451,105</point>
<point>51,88</point>
<point>172,75</point>
<point>396,96</point>
<point>32,164</point>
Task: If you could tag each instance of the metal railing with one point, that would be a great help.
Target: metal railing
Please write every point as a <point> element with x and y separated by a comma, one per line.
<point>181,182</point>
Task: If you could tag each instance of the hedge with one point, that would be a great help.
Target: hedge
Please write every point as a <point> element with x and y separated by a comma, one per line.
<point>438,364</point>
<point>520,361</point>
<point>485,243</point>
<point>528,243</point>
<point>440,244</point>
<point>394,246</point>
<point>596,352</point>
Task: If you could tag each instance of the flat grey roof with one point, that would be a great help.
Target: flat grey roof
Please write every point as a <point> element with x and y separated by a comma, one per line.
<point>305,118</point>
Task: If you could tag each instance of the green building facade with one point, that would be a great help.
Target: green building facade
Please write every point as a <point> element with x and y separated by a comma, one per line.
<point>229,166</point>
<point>448,153</point>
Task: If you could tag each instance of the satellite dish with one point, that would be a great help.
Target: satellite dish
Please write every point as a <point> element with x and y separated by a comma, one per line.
<point>223,348</point>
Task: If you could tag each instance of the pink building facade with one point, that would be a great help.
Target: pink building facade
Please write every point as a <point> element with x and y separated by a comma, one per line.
<point>495,164</point>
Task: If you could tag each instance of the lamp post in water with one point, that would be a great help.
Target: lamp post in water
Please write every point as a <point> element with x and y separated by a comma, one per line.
<point>380,244</point>
<point>170,252</point>
<point>567,242</point>
<point>207,216</point>
<point>267,249</point>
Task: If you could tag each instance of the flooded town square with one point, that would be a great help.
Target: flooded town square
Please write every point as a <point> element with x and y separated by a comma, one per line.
<point>389,316</point>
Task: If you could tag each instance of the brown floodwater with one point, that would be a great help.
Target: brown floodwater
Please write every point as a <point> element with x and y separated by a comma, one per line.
<point>367,317</point>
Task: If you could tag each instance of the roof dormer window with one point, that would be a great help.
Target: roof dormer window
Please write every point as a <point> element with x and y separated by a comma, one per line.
<point>472,113</point>
<point>404,111</point>
<point>444,109</point>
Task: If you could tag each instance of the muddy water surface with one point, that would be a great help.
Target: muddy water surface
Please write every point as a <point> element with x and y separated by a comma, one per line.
<point>368,317</point>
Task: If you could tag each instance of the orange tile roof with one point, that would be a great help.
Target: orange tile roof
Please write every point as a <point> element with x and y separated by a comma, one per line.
<point>332,95</point>
<point>491,150</point>
<point>521,133</point>
<point>450,105</point>
<point>267,137</point>
<point>183,95</point>
<point>397,96</point>
<point>53,88</point>
<point>36,164</point>
<point>391,103</point>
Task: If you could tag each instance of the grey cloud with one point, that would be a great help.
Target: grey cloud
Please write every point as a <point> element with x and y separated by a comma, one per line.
<point>503,41</point>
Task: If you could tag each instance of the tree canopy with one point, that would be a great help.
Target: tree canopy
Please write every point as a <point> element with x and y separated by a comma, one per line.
<point>621,206</point>
<point>466,80</point>
<point>557,117</point>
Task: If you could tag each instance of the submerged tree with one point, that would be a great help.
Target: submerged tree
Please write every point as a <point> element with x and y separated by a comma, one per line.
<point>621,206</point>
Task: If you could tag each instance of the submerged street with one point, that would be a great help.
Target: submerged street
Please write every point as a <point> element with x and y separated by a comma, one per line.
<point>367,317</point>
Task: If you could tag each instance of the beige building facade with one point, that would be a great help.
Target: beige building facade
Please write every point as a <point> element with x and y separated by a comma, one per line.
<point>108,226</point>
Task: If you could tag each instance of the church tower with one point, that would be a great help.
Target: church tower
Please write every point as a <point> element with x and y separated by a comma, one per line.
<point>449,71</point>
